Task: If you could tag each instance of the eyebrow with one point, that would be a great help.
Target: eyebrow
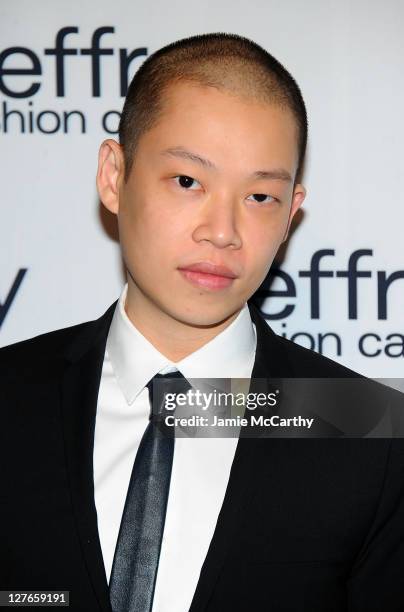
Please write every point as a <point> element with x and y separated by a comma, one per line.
<point>277,173</point>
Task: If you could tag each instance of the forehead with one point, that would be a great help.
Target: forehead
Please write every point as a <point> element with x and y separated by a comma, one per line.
<point>224,126</point>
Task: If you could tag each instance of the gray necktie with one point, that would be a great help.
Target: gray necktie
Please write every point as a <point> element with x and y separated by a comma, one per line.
<point>137,552</point>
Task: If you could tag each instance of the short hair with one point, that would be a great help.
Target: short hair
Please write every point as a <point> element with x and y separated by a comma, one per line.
<point>221,60</point>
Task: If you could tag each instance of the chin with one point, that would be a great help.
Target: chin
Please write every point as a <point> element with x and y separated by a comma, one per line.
<point>206,316</point>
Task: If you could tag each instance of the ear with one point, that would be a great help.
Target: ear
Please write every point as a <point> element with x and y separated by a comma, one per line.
<point>299,193</point>
<point>110,174</point>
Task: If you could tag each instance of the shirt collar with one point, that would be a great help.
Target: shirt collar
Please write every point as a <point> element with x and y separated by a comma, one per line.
<point>135,360</point>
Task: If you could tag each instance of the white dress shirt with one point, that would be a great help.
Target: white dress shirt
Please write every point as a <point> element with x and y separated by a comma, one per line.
<point>201,466</point>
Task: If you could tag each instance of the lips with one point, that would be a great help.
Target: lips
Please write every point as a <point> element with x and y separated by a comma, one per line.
<point>207,275</point>
<point>208,268</point>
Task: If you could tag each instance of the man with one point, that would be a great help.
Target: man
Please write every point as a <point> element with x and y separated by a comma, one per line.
<point>205,182</point>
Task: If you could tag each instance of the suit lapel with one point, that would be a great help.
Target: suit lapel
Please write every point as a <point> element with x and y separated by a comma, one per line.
<point>79,391</point>
<point>270,362</point>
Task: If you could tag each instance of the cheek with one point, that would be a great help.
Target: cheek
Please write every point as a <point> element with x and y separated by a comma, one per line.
<point>148,233</point>
<point>265,236</point>
<point>261,246</point>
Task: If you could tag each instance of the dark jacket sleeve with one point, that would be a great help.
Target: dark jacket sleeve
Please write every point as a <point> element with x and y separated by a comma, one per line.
<point>376,582</point>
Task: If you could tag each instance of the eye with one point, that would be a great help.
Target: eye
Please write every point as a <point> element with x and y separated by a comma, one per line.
<point>261,198</point>
<point>185,181</point>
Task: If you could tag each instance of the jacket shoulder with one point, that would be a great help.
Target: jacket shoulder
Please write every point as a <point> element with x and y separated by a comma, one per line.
<point>309,363</point>
<point>46,352</point>
<point>290,359</point>
<point>42,352</point>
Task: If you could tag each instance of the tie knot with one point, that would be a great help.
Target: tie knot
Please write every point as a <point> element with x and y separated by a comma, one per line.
<point>163,390</point>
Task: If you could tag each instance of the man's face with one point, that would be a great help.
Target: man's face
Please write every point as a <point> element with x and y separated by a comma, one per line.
<point>181,217</point>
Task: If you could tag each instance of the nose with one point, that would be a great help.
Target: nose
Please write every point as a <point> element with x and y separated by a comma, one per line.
<point>217,224</point>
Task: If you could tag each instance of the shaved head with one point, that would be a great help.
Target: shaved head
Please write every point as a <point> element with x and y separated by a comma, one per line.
<point>224,61</point>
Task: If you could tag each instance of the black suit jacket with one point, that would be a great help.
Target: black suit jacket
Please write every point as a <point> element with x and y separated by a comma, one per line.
<point>314,525</point>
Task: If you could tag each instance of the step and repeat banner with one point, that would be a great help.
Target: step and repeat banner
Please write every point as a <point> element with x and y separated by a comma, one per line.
<point>337,287</point>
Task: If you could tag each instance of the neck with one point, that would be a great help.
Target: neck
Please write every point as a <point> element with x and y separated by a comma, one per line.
<point>172,338</point>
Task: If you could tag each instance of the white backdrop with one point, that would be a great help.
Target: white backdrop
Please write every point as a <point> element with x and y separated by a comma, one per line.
<point>348,58</point>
